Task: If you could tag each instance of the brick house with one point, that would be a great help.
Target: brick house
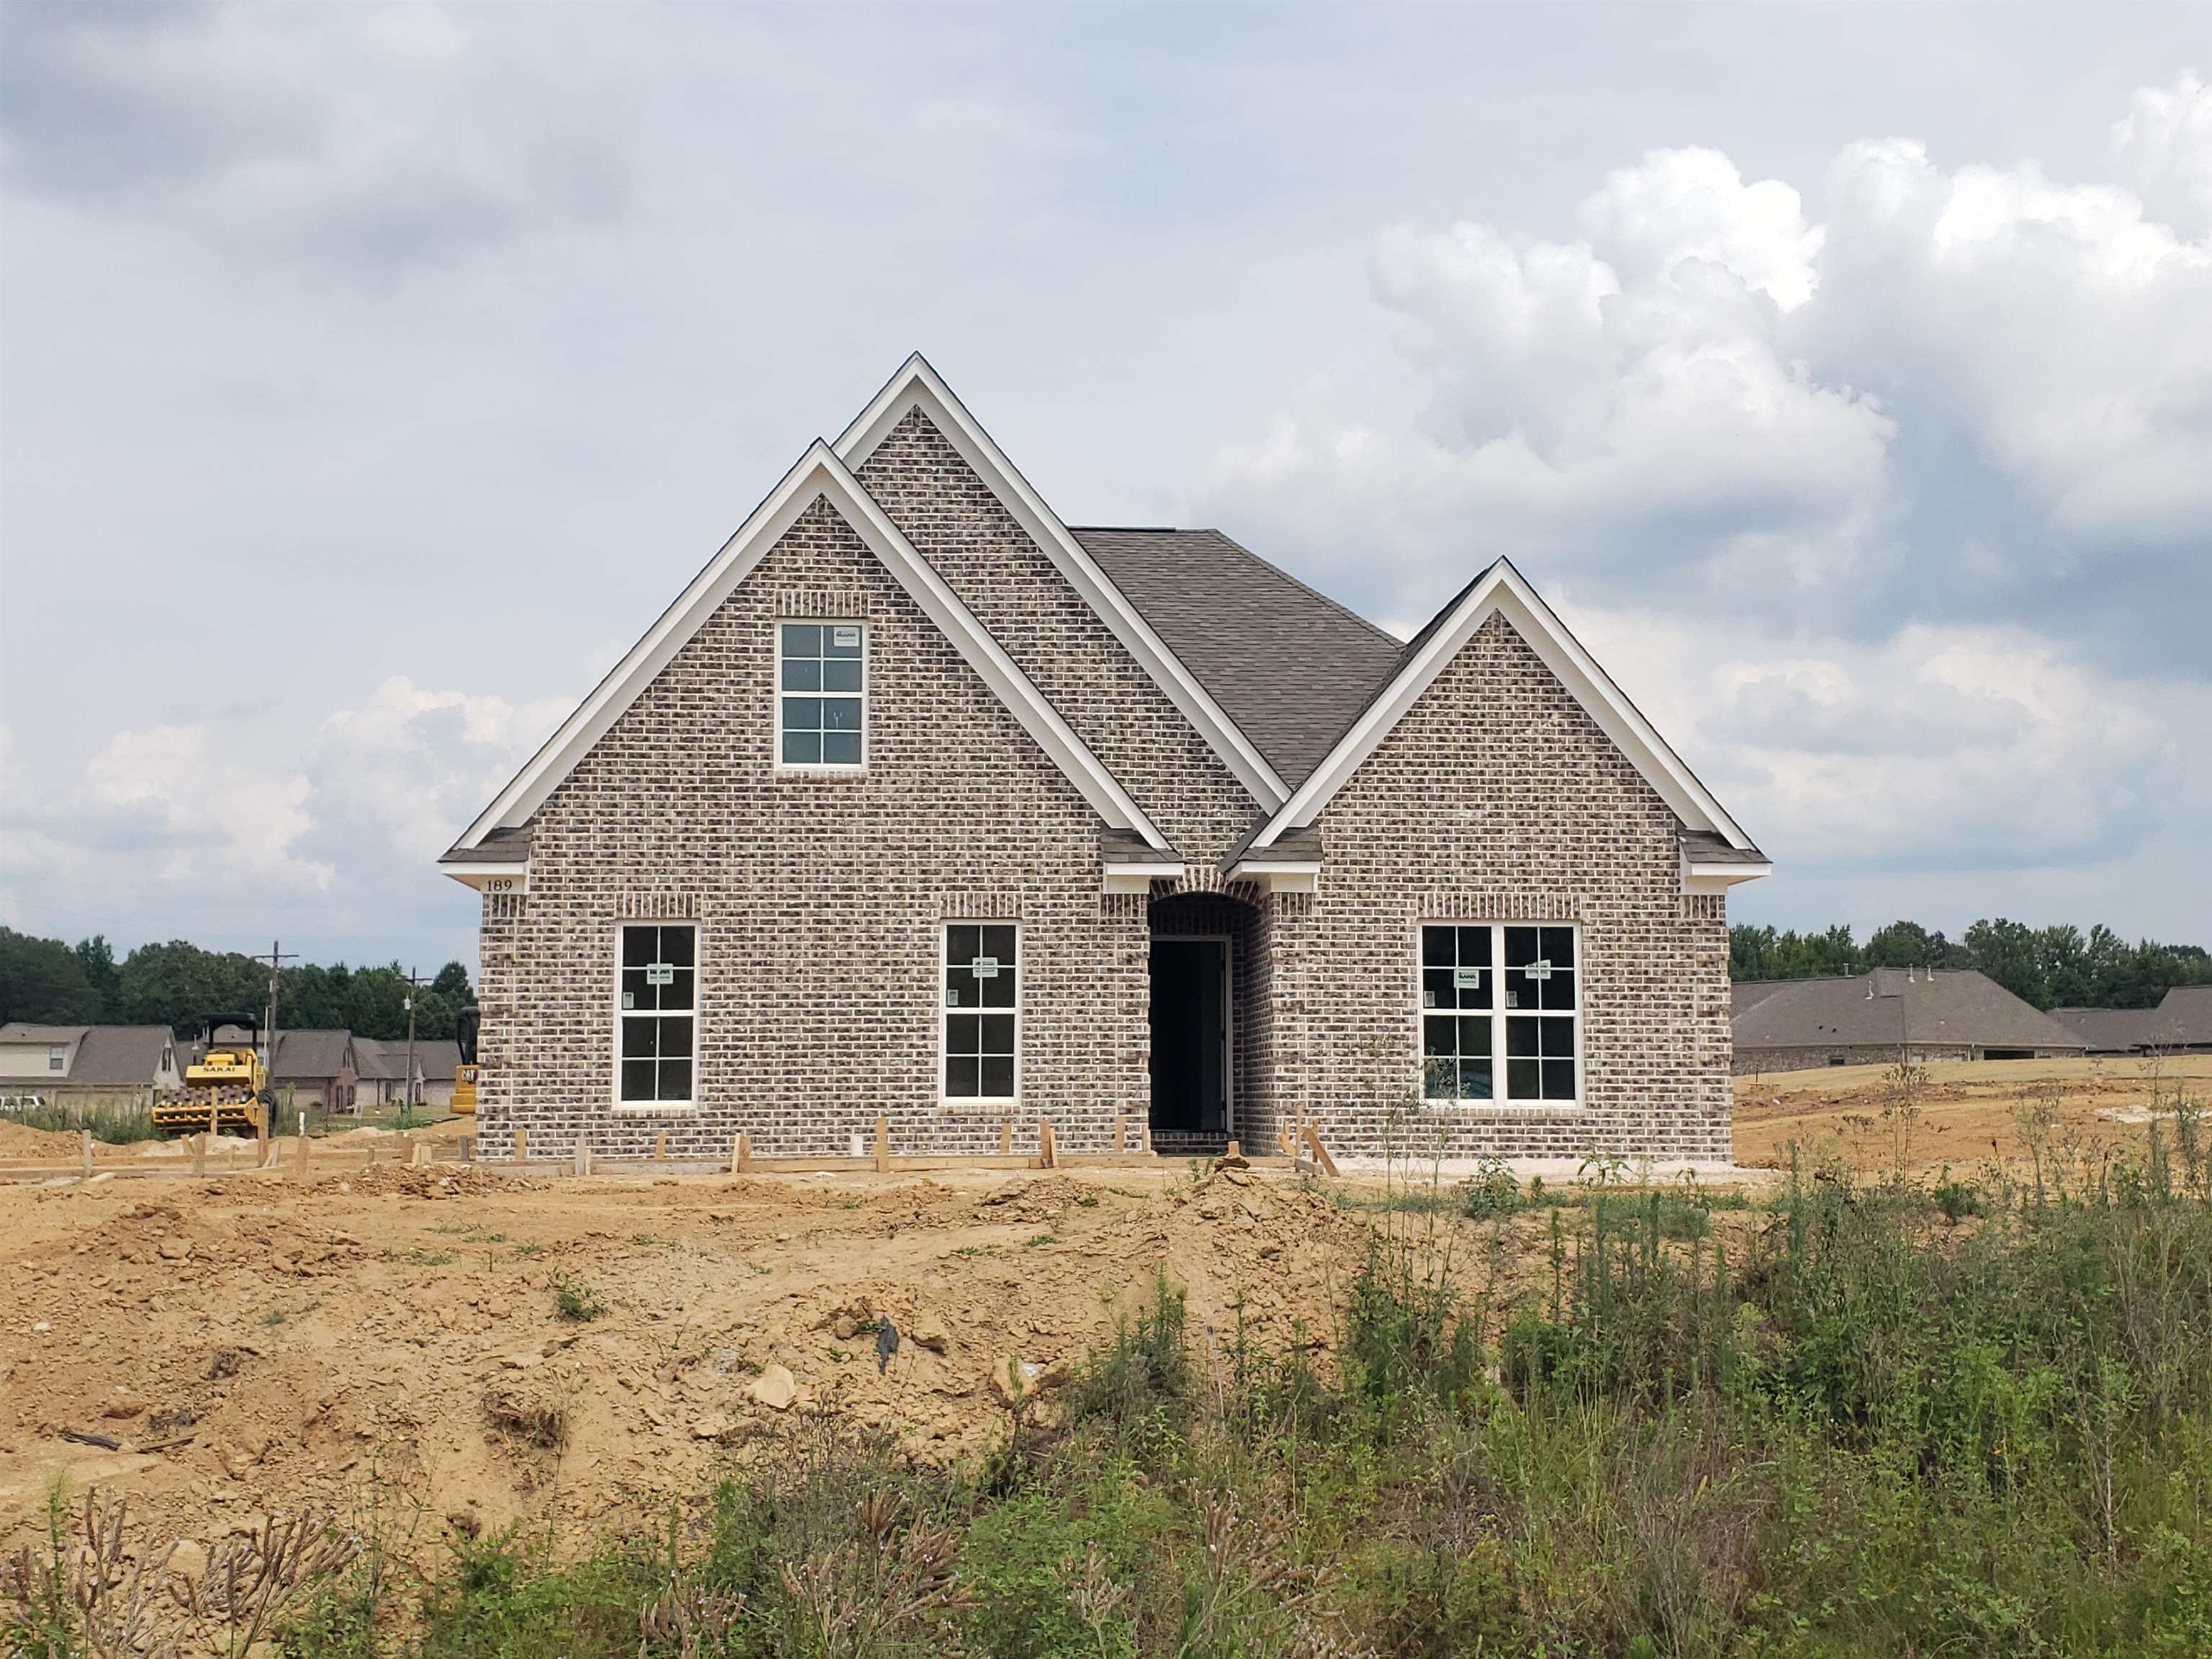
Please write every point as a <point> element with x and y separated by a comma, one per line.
<point>919,802</point>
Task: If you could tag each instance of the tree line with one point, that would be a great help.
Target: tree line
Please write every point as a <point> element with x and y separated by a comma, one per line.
<point>178,985</point>
<point>2058,967</point>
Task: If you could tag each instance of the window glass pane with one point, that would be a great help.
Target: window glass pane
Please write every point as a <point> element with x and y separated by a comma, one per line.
<point>674,1079</point>
<point>836,675</point>
<point>997,1034</point>
<point>635,992</point>
<point>802,713</point>
<point>963,1076</point>
<point>1559,1039</point>
<point>840,715</point>
<point>998,1079</point>
<point>963,989</point>
<point>676,946</point>
<point>840,748</point>
<point>1558,1079</point>
<point>1560,946</point>
<point>1474,1078</point>
<point>1440,1036</point>
<point>1440,1080</point>
<point>1522,1037</point>
<point>1522,947</point>
<point>1475,1037</point>
<point>1559,991</point>
<point>1436,947</point>
<point>638,945</point>
<point>637,1079</point>
<point>1523,1080</point>
<point>674,1038</point>
<point>801,748</point>
<point>963,944</point>
<point>801,640</point>
<point>998,942</point>
<point>963,1034</point>
<point>849,646</point>
<point>1474,947</point>
<point>1436,989</point>
<point>637,1038</point>
<point>801,674</point>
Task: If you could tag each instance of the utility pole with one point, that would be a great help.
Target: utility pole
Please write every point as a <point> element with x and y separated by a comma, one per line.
<point>414,984</point>
<point>277,957</point>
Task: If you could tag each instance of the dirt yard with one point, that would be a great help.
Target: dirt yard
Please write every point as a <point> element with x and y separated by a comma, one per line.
<point>254,1342</point>
<point>1970,1115</point>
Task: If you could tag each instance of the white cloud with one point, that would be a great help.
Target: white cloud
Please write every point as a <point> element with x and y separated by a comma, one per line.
<point>2164,146</point>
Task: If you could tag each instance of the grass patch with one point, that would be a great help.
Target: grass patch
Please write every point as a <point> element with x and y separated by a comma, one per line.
<point>574,1299</point>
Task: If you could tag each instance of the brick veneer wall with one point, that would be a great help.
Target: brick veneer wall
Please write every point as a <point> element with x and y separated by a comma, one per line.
<point>1497,799</point>
<point>1070,654</point>
<point>819,900</point>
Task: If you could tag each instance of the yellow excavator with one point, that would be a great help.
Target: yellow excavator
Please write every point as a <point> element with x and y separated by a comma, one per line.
<point>226,1089</point>
<point>465,1074</point>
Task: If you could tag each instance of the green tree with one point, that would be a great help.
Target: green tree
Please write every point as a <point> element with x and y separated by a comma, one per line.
<point>178,985</point>
<point>43,981</point>
<point>452,984</point>
<point>2012,953</point>
<point>98,959</point>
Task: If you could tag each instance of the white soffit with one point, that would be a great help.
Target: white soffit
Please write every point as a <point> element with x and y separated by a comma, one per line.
<point>1503,590</point>
<point>918,385</point>
<point>817,472</point>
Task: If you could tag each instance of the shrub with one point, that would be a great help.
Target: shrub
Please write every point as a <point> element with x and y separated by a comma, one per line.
<point>574,1300</point>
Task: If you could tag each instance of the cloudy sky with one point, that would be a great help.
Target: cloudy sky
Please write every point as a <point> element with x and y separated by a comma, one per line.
<point>370,378</point>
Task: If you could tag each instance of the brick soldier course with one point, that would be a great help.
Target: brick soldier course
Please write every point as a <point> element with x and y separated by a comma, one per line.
<point>1043,749</point>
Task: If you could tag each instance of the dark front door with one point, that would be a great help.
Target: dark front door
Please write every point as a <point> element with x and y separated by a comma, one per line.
<point>1190,1036</point>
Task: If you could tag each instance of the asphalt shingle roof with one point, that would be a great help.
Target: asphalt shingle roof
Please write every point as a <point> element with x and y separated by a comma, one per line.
<point>1953,1006</point>
<point>1291,667</point>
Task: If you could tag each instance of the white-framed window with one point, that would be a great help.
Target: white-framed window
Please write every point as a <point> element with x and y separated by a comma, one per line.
<point>982,1011</point>
<point>57,1058</point>
<point>822,695</point>
<point>656,1018</point>
<point>1500,1018</point>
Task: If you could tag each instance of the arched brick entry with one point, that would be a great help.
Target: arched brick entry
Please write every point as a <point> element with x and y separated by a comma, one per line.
<point>1208,1058</point>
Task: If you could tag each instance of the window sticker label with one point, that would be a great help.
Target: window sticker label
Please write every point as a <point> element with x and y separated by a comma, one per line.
<point>952,998</point>
<point>660,973</point>
<point>984,967</point>
<point>1467,979</point>
<point>629,1000</point>
<point>1539,968</point>
<point>844,636</point>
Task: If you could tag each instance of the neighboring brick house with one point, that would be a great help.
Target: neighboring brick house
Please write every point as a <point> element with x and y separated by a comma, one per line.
<point>2180,1024</point>
<point>917,802</point>
<point>1878,1019</point>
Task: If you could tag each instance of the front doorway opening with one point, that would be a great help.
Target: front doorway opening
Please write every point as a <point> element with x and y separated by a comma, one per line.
<point>1192,1070</point>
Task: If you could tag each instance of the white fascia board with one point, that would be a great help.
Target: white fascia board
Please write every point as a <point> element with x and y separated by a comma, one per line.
<point>1278,875</point>
<point>1502,589</point>
<point>918,385</point>
<point>1719,878</point>
<point>493,878</point>
<point>817,472</point>
<point>1137,878</point>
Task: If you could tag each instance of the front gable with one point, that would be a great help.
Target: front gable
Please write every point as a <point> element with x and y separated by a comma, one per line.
<point>819,478</point>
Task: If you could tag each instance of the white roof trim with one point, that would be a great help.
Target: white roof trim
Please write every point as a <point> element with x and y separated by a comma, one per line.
<point>1503,590</point>
<point>918,385</point>
<point>819,472</point>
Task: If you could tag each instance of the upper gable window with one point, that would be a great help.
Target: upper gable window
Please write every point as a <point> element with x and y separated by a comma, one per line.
<point>822,693</point>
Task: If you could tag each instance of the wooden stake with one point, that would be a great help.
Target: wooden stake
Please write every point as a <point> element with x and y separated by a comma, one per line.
<point>199,1155</point>
<point>521,1144</point>
<point>743,1163</point>
<point>1006,1140</point>
<point>1321,1157</point>
<point>1046,1156</point>
<point>883,1145</point>
<point>583,1157</point>
<point>1121,1124</point>
<point>661,1147</point>
<point>420,1157</point>
<point>300,1168</point>
<point>1235,1149</point>
<point>87,1133</point>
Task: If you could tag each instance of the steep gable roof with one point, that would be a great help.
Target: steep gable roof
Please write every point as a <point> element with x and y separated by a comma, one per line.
<point>1289,665</point>
<point>818,473</point>
<point>918,385</point>
<point>1502,590</point>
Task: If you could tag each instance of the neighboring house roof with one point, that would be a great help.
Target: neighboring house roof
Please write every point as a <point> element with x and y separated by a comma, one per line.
<point>2108,1031</point>
<point>2184,1017</point>
<point>1891,1005</point>
<point>101,1056</point>
<point>309,1055</point>
<point>1503,591</point>
<point>436,1058</point>
<point>818,473</point>
<point>1289,665</point>
<point>384,1059</point>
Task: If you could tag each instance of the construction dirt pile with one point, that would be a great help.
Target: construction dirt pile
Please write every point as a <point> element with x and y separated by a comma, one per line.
<point>478,1347</point>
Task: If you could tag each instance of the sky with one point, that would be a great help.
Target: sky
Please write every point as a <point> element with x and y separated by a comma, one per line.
<point>371,378</point>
